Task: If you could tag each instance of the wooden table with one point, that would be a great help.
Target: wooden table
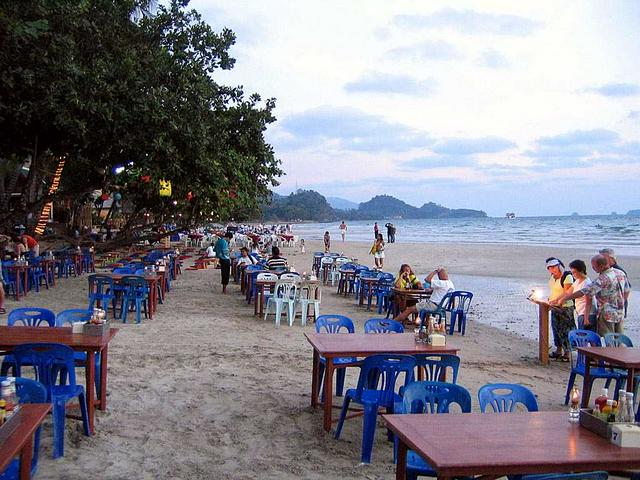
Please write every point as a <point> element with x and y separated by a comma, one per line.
<point>401,295</point>
<point>331,346</point>
<point>497,444</point>
<point>346,276</point>
<point>369,282</point>
<point>91,344</point>
<point>623,357</point>
<point>16,436</point>
<point>22,279</point>
<point>261,285</point>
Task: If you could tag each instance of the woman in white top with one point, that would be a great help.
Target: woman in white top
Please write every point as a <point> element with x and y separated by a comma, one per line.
<point>585,303</point>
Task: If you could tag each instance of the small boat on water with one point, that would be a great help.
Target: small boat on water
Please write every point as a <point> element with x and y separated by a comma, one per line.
<point>510,215</point>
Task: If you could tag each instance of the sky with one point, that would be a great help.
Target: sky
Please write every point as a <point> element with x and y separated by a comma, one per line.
<point>530,107</point>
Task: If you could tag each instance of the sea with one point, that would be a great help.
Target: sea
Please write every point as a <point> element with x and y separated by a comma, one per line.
<point>620,232</point>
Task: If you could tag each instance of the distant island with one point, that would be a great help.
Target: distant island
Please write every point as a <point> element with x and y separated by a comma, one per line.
<point>633,213</point>
<point>309,205</point>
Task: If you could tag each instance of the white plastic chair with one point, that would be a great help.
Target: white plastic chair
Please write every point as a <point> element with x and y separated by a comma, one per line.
<point>284,292</point>
<point>267,276</point>
<point>309,294</point>
<point>290,276</point>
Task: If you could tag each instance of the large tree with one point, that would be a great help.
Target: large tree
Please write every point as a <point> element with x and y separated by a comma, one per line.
<point>115,91</point>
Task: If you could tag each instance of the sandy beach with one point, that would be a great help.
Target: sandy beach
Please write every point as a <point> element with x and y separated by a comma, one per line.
<point>208,391</point>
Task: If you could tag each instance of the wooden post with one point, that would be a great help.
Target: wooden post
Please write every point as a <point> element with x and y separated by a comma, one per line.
<point>543,333</point>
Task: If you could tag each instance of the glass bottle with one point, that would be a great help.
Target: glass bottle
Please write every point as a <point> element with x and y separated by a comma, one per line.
<point>601,401</point>
<point>574,407</point>
<point>622,406</point>
<point>630,406</point>
<point>3,411</point>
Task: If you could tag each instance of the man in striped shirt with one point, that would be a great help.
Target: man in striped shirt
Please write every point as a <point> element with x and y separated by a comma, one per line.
<point>276,262</point>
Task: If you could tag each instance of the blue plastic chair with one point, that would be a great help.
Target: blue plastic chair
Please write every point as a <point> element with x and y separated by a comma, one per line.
<point>9,279</point>
<point>37,275</point>
<point>67,318</point>
<point>459,304</point>
<point>617,340</point>
<point>27,317</point>
<point>53,361</point>
<point>621,340</point>
<point>587,338</point>
<point>504,397</point>
<point>376,389</point>
<point>440,310</point>
<point>434,366</point>
<point>124,270</point>
<point>429,398</point>
<point>383,325</point>
<point>28,391</point>
<point>333,324</point>
<point>136,294</point>
<point>101,292</point>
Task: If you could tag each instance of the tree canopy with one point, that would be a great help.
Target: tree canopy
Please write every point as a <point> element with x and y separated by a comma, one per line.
<point>129,100</point>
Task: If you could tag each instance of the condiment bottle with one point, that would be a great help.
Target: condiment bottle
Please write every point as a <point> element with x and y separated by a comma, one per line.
<point>609,411</point>
<point>3,411</point>
<point>622,406</point>
<point>8,394</point>
<point>601,401</point>
<point>630,410</point>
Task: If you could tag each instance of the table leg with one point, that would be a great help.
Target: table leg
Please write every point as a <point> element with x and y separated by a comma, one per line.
<point>315,372</point>
<point>630,378</point>
<point>401,465</point>
<point>26,455</point>
<point>586,382</point>
<point>328,393</point>
<point>90,374</point>
<point>103,378</point>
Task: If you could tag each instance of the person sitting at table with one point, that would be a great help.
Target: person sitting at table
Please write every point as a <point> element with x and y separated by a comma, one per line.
<point>406,280</point>
<point>276,262</point>
<point>30,243</point>
<point>19,248</point>
<point>245,259</point>
<point>440,285</point>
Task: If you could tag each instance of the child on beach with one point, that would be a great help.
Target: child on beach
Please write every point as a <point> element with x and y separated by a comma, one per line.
<point>327,242</point>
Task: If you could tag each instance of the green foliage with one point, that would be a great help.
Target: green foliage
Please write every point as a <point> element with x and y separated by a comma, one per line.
<point>301,205</point>
<point>106,83</point>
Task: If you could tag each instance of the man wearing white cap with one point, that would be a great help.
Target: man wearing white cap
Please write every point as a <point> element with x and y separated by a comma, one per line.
<point>562,320</point>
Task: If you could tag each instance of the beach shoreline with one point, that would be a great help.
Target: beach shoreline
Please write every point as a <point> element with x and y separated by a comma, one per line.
<point>233,391</point>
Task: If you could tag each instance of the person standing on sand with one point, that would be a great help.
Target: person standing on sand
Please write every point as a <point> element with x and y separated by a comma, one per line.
<point>560,285</point>
<point>585,305</point>
<point>610,255</point>
<point>343,230</point>
<point>377,250</point>
<point>222,252</point>
<point>376,230</point>
<point>610,289</point>
<point>327,242</point>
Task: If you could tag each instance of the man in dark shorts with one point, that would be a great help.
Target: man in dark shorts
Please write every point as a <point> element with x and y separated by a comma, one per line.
<point>222,253</point>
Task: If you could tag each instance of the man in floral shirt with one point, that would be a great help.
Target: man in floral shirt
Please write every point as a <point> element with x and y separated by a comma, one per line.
<point>610,289</point>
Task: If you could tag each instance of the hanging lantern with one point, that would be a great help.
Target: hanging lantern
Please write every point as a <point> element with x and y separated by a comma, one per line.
<point>104,197</point>
<point>165,188</point>
<point>189,196</point>
<point>232,194</point>
<point>145,178</point>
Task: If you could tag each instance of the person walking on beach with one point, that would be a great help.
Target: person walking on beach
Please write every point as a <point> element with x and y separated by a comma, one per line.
<point>585,305</point>
<point>343,230</point>
<point>376,230</point>
<point>377,250</point>
<point>222,252</point>
<point>609,289</point>
<point>327,242</point>
<point>560,283</point>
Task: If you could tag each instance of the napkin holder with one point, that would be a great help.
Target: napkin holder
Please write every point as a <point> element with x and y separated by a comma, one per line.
<point>625,435</point>
<point>98,329</point>
<point>77,327</point>
<point>437,340</point>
